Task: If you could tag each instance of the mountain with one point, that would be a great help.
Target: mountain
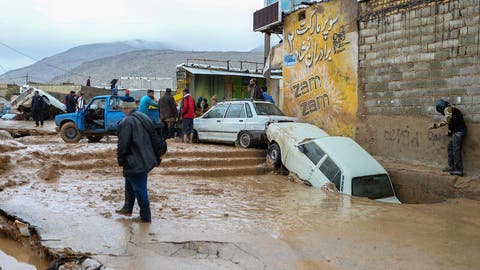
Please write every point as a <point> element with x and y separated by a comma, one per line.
<point>258,49</point>
<point>50,67</point>
<point>146,63</point>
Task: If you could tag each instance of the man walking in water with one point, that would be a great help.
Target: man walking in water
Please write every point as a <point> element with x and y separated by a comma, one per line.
<point>136,143</point>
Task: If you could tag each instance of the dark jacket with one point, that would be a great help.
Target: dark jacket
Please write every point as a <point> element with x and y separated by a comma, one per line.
<point>457,123</point>
<point>256,93</point>
<point>71,103</point>
<point>135,153</point>
<point>38,104</point>
<point>167,107</point>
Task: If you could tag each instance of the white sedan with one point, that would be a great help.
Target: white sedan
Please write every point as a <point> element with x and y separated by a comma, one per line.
<point>318,159</point>
<point>242,121</point>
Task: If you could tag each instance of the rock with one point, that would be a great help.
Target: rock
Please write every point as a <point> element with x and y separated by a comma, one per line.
<point>70,266</point>
<point>22,228</point>
<point>5,135</point>
<point>91,264</point>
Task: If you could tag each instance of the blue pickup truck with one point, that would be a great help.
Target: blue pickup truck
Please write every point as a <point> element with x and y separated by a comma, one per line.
<point>100,117</point>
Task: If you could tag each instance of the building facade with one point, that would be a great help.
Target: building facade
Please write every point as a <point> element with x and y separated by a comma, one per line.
<point>216,81</point>
<point>373,70</point>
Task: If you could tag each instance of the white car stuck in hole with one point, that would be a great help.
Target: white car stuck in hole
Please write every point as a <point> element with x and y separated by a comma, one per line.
<point>318,159</point>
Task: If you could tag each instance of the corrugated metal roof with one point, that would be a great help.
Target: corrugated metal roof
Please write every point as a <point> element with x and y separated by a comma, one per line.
<point>225,73</point>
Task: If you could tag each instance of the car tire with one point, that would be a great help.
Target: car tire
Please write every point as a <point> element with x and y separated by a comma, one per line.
<point>275,155</point>
<point>245,139</point>
<point>94,138</point>
<point>69,133</point>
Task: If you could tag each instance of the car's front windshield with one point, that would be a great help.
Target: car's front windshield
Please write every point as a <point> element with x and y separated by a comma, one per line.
<point>372,186</point>
<point>264,108</point>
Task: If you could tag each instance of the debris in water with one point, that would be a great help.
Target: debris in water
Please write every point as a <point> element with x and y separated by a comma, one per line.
<point>22,228</point>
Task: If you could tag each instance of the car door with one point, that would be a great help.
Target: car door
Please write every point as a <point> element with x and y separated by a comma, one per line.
<point>94,117</point>
<point>302,159</point>
<point>234,121</point>
<point>113,114</point>
<point>209,126</point>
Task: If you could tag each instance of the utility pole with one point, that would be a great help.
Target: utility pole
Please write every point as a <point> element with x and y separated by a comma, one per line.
<point>26,78</point>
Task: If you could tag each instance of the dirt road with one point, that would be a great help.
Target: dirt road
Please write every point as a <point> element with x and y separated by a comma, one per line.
<point>218,207</point>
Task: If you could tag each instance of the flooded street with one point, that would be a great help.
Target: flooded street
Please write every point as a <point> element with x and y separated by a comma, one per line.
<point>219,207</point>
<point>14,256</point>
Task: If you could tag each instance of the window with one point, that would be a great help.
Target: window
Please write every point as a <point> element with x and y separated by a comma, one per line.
<point>98,104</point>
<point>331,171</point>
<point>115,103</point>
<point>266,109</point>
<point>249,111</point>
<point>372,186</point>
<point>217,112</point>
<point>312,151</point>
<point>236,111</point>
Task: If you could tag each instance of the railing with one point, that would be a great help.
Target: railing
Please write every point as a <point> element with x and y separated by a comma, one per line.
<point>229,65</point>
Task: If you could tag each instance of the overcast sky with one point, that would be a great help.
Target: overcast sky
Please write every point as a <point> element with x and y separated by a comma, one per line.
<point>41,28</point>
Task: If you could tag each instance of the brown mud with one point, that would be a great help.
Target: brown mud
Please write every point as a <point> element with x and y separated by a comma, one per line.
<point>218,207</point>
<point>20,252</point>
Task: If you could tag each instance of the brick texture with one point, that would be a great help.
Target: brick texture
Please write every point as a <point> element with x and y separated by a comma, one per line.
<point>413,52</point>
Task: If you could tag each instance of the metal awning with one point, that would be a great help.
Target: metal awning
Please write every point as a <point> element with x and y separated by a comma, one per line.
<point>212,72</point>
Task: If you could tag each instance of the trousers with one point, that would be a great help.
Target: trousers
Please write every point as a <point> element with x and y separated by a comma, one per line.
<point>455,150</point>
<point>136,188</point>
<point>38,117</point>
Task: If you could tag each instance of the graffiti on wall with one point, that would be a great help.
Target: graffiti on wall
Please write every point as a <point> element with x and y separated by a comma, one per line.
<point>414,139</point>
<point>319,71</point>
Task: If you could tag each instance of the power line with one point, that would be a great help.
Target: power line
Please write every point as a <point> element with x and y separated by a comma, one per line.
<point>50,65</point>
<point>5,73</point>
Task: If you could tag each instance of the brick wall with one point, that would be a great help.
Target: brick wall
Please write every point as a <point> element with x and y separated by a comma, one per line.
<point>411,53</point>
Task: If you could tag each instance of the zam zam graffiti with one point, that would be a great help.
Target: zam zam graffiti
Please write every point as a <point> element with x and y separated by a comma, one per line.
<point>311,52</point>
<point>312,105</point>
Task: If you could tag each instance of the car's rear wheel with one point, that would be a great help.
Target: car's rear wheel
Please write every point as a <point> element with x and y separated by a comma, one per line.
<point>245,139</point>
<point>275,155</point>
<point>94,138</point>
<point>69,133</point>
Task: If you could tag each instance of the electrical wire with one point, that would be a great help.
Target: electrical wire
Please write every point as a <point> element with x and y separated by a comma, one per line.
<point>5,73</point>
<point>45,63</point>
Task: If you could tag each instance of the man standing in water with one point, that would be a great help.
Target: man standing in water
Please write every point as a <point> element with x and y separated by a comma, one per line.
<point>38,104</point>
<point>137,139</point>
<point>188,113</point>
<point>456,130</point>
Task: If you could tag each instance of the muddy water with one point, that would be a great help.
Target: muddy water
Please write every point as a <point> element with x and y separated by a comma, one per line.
<point>14,256</point>
<point>205,220</point>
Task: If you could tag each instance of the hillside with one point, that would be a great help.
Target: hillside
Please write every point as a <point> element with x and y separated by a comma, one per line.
<point>50,67</point>
<point>149,63</point>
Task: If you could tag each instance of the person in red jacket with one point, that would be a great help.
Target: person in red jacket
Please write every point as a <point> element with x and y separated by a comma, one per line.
<point>188,113</point>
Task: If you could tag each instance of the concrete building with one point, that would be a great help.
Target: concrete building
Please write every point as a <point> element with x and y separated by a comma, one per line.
<point>373,70</point>
<point>226,82</point>
<point>63,88</point>
<point>155,83</point>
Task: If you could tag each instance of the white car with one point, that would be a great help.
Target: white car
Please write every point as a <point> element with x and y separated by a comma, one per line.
<point>318,159</point>
<point>241,121</point>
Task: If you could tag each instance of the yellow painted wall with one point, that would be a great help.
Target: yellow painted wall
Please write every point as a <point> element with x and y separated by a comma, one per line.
<point>320,66</point>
